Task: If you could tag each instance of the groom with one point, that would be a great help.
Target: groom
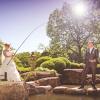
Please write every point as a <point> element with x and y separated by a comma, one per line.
<point>91,60</point>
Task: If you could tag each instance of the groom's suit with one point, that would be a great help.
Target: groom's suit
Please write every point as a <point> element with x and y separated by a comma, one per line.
<point>91,60</point>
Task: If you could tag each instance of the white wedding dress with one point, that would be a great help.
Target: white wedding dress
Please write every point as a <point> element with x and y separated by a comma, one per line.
<point>12,73</point>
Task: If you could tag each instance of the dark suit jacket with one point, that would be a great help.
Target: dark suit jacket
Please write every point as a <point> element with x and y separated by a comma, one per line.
<point>91,56</point>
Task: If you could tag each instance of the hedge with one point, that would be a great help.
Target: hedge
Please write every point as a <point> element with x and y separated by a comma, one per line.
<point>41,60</point>
<point>55,63</point>
<point>75,65</point>
<point>42,69</point>
<point>23,69</point>
<point>65,60</point>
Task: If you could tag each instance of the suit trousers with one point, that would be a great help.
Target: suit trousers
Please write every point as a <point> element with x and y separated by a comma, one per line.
<point>90,67</point>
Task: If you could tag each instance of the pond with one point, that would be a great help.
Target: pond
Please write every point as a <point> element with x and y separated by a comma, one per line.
<point>66,97</point>
<point>63,97</point>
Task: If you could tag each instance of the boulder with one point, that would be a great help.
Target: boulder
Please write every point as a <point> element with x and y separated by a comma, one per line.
<point>60,90</point>
<point>40,75</point>
<point>32,76</point>
<point>53,81</point>
<point>89,79</point>
<point>13,91</point>
<point>33,90</point>
<point>75,91</point>
<point>43,89</point>
<point>33,83</point>
<point>73,76</point>
<point>94,92</point>
<point>43,85</point>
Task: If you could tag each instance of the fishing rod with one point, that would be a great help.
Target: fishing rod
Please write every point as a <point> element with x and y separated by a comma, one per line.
<point>25,41</point>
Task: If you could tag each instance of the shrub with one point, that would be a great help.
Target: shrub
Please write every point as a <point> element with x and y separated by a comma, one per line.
<point>65,60</point>
<point>56,64</point>
<point>75,65</point>
<point>24,58</point>
<point>18,62</point>
<point>23,69</point>
<point>41,60</point>
<point>29,76</point>
<point>60,65</point>
<point>48,64</point>
<point>41,69</point>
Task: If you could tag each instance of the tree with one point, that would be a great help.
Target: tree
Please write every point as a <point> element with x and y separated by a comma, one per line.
<point>24,58</point>
<point>1,47</point>
<point>71,33</point>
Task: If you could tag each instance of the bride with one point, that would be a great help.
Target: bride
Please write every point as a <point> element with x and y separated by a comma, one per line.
<point>10,68</point>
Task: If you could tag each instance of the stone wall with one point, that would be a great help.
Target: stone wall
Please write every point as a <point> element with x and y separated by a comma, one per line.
<point>13,91</point>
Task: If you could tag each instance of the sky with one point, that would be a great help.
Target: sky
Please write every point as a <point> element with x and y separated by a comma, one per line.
<point>19,17</point>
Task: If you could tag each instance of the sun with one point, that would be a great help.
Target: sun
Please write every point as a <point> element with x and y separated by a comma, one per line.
<point>80,9</point>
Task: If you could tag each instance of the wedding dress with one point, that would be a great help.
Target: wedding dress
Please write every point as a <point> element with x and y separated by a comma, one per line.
<point>12,73</point>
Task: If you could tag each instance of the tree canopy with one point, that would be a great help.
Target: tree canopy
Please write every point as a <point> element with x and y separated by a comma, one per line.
<point>70,33</point>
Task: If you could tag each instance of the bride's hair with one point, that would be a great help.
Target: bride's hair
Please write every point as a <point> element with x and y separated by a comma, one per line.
<point>2,55</point>
<point>7,44</point>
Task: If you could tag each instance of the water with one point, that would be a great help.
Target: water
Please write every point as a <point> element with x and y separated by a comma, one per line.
<point>66,97</point>
<point>63,97</point>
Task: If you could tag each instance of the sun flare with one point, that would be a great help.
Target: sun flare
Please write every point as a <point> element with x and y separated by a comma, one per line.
<point>80,9</point>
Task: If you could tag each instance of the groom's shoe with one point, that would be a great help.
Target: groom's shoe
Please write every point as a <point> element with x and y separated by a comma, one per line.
<point>81,87</point>
<point>93,86</point>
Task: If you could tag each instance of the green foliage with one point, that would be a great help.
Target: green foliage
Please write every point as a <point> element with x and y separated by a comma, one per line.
<point>20,66</point>
<point>1,48</point>
<point>55,63</point>
<point>98,66</point>
<point>42,69</point>
<point>75,65</point>
<point>23,69</point>
<point>29,76</point>
<point>41,60</point>
<point>18,62</point>
<point>37,54</point>
<point>68,33</point>
<point>24,58</point>
<point>65,60</point>
<point>48,64</point>
<point>45,53</point>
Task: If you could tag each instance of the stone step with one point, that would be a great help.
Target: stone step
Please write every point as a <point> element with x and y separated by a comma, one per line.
<point>34,90</point>
<point>76,91</point>
<point>43,85</point>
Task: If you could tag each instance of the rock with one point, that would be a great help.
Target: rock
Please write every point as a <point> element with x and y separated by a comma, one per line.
<point>75,91</point>
<point>32,76</point>
<point>33,90</point>
<point>33,83</point>
<point>29,76</point>
<point>66,90</point>
<point>89,79</point>
<point>13,91</point>
<point>60,90</point>
<point>94,92</point>
<point>73,76</point>
<point>53,81</point>
<point>43,89</point>
<point>43,85</point>
<point>40,75</point>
